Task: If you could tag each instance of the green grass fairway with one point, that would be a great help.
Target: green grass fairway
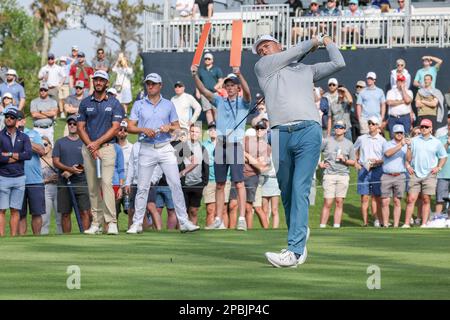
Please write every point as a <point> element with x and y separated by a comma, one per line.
<point>227,265</point>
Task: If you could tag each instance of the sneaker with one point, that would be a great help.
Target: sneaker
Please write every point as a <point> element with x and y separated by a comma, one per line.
<point>411,220</point>
<point>376,223</point>
<point>112,228</point>
<point>406,226</point>
<point>135,228</point>
<point>217,224</point>
<point>93,230</point>
<point>62,115</point>
<point>424,226</point>
<point>343,48</point>
<point>322,226</point>
<point>242,224</point>
<point>418,222</point>
<point>353,47</point>
<point>188,227</point>
<point>336,225</point>
<point>286,259</point>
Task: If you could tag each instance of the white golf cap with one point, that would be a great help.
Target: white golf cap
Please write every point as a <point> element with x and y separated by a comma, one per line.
<point>7,95</point>
<point>112,91</point>
<point>11,72</point>
<point>209,56</point>
<point>153,77</point>
<point>124,124</point>
<point>333,81</point>
<point>75,48</point>
<point>372,75</point>
<point>101,74</point>
<point>374,119</point>
<point>266,37</point>
<point>398,128</point>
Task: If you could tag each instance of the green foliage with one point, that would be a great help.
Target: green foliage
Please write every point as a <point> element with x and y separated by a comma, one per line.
<point>19,34</point>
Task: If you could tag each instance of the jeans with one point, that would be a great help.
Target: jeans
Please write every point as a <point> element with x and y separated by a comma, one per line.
<point>404,120</point>
<point>51,203</point>
<point>296,162</point>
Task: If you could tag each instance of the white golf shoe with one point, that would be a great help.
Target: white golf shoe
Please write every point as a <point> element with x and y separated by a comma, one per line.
<point>93,230</point>
<point>286,258</point>
<point>112,229</point>
<point>188,227</point>
<point>135,228</point>
<point>242,224</point>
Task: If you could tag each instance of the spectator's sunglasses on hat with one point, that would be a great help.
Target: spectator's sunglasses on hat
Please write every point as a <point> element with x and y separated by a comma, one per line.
<point>370,123</point>
<point>10,116</point>
<point>339,126</point>
<point>72,123</point>
<point>425,127</point>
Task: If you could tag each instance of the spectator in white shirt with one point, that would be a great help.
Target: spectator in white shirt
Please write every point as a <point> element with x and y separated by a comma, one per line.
<point>399,99</point>
<point>54,76</point>
<point>184,102</point>
<point>400,70</point>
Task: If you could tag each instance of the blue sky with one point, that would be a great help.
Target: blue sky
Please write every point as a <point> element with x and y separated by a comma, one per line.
<point>63,42</point>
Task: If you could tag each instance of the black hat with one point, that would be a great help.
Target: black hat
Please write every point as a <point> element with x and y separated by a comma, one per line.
<point>72,118</point>
<point>12,111</point>
<point>51,56</point>
<point>211,125</point>
<point>81,54</point>
<point>179,84</point>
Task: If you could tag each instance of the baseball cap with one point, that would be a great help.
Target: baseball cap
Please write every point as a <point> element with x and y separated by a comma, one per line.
<point>101,74</point>
<point>51,56</point>
<point>340,123</point>
<point>13,111</point>
<point>361,83</point>
<point>124,124</point>
<point>372,75</point>
<point>11,72</point>
<point>401,77</point>
<point>209,56</point>
<point>353,1</point>
<point>43,85</point>
<point>7,95</point>
<point>374,119</point>
<point>333,80</point>
<point>398,128</point>
<point>72,118</point>
<point>81,54</point>
<point>266,37</point>
<point>211,125</point>
<point>75,48</point>
<point>112,91</point>
<point>79,83</point>
<point>179,84</point>
<point>314,1</point>
<point>426,122</point>
<point>153,77</point>
<point>233,78</point>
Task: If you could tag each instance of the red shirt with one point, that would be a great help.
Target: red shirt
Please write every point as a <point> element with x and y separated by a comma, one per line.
<point>81,75</point>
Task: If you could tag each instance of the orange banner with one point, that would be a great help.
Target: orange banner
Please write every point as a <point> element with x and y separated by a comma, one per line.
<point>236,43</point>
<point>201,44</point>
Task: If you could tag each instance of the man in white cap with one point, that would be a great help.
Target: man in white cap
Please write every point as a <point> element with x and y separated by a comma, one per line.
<point>393,180</point>
<point>44,111</point>
<point>16,90</point>
<point>369,160</point>
<point>154,118</point>
<point>299,134</point>
<point>212,78</point>
<point>53,75</point>
<point>371,102</point>
<point>99,118</point>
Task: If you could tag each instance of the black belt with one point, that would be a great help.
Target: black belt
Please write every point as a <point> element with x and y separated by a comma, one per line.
<point>43,127</point>
<point>397,117</point>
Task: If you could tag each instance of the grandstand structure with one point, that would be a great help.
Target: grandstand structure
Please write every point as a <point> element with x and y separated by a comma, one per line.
<point>425,26</point>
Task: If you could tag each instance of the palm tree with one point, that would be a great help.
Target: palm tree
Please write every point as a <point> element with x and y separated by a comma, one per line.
<point>47,12</point>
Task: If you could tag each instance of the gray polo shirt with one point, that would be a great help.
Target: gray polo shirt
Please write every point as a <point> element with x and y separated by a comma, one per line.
<point>330,148</point>
<point>288,85</point>
<point>39,104</point>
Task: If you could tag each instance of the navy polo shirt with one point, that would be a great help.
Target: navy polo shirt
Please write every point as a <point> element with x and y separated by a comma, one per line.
<point>22,146</point>
<point>210,77</point>
<point>99,115</point>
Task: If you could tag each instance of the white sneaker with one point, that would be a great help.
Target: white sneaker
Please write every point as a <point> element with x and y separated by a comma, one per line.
<point>406,226</point>
<point>411,221</point>
<point>336,225</point>
<point>217,224</point>
<point>93,230</point>
<point>188,227</point>
<point>376,223</point>
<point>286,258</point>
<point>112,228</point>
<point>242,224</point>
<point>322,226</point>
<point>135,228</point>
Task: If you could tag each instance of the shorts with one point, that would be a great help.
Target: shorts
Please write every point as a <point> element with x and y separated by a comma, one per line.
<point>393,186</point>
<point>54,93</point>
<point>81,192</point>
<point>251,184</point>
<point>369,182</point>
<point>425,185</point>
<point>206,104</point>
<point>270,187</point>
<point>12,191</point>
<point>209,192</point>
<point>64,92</point>
<point>230,155</point>
<point>335,186</point>
<point>363,126</point>
<point>193,195</point>
<point>164,197</point>
<point>34,198</point>
<point>442,189</point>
<point>258,196</point>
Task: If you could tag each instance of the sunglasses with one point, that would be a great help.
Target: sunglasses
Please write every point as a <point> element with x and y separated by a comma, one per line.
<point>359,87</point>
<point>353,4</point>
<point>40,90</point>
<point>314,4</point>
<point>207,59</point>
<point>45,144</point>
<point>123,129</point>
<point>73,124</point>
<point>8,116</point>
<point>371,123</point>
<point>400,65</point>
<point>425,127</point>
<point>339,127</point>
<point>398,132</point>
<point>332,85</point>
<point>78,88</point>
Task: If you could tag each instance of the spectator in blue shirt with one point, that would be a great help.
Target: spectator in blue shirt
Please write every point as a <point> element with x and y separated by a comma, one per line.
<point>14,88</point>
<point>419,79</point>
<point>15,148</point>
<point>119,174</point>
<point>34,197</point>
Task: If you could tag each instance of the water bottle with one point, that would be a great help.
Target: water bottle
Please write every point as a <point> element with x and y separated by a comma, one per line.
<point>126,202</point>
<point>98,163</point>
<point>338,153</point>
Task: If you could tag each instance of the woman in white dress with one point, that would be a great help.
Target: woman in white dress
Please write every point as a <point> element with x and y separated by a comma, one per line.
<point>123,81</point>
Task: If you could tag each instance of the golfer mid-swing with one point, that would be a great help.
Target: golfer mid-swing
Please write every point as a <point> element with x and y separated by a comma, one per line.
<point>288,88</point>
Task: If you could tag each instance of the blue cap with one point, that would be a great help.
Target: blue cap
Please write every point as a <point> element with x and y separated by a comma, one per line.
<point>398,128</point>
<point>101,74</point>
<point>13,111</point>
<point>153,77</point>
<point>353,1</point>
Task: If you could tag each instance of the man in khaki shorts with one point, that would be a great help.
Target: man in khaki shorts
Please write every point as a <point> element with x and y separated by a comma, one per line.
<point>425,158</point>
<point>339,154</point>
